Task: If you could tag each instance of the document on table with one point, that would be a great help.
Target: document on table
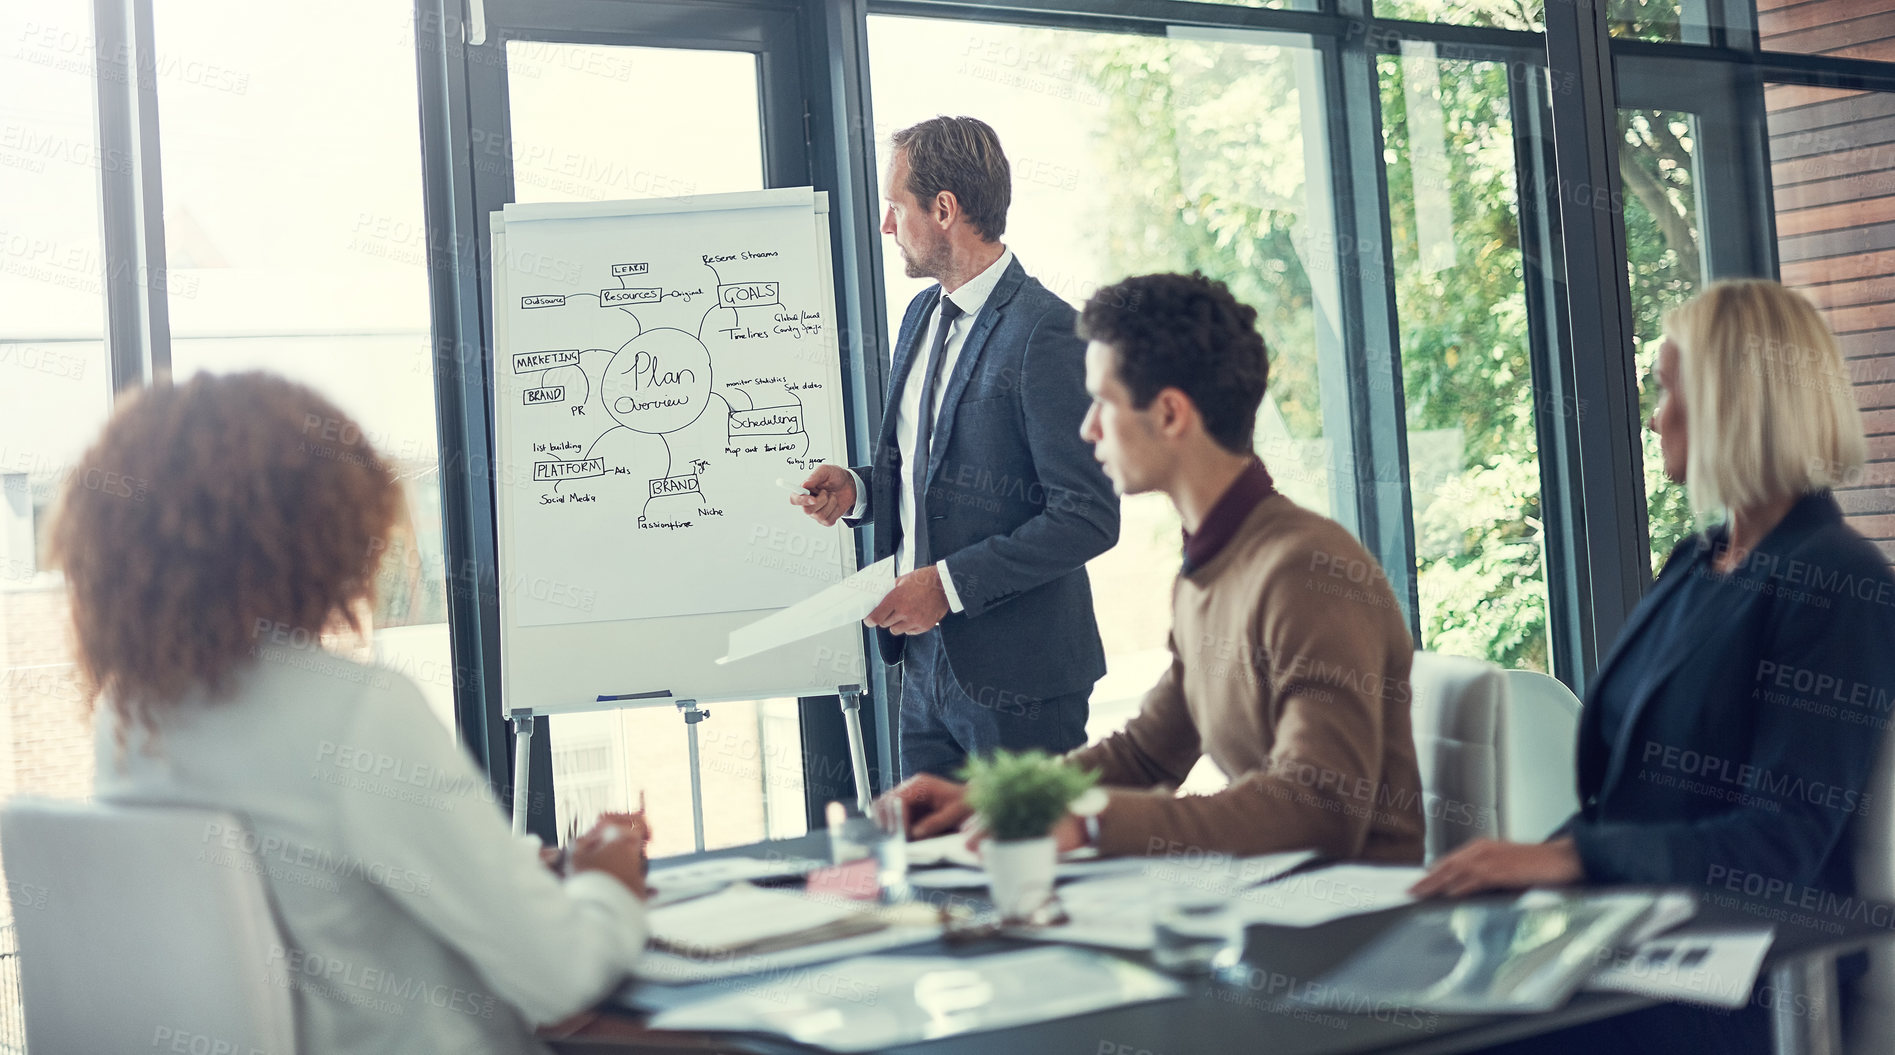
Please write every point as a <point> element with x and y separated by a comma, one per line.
<point>1479,957</point>
<point>731,870</point>
<point>744,918</point>
<point>1704,965</point>
<point>872,1003</point>
<point>942,849</point>
<point>682,881</point>
<point>849,601</point>
<point>671,969</point>
<point>1115,911</point>
<point>1332,893</point>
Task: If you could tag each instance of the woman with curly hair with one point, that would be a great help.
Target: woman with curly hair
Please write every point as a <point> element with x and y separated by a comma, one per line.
<point>211,538</point>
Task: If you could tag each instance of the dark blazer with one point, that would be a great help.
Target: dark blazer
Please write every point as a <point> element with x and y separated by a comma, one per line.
<point>1742,766</point>
<point>1016,504</point>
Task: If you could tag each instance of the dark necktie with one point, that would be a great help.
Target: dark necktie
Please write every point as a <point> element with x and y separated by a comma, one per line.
<point>924,429</point>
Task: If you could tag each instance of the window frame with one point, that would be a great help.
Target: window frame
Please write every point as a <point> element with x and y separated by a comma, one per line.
<point>1578,298</point>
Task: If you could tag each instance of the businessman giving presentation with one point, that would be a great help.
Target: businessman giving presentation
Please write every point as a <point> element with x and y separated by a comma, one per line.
<point>981,487</point>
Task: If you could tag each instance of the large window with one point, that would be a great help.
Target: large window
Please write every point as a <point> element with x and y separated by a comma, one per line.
<point>1131,155</point>
<point>55,385</point>
<point>298,240</point>
<point>1505,14</point>
<point>751,752</point>
<point>1467,380</point>
<point>295,244</point>
<point>1665,263</point>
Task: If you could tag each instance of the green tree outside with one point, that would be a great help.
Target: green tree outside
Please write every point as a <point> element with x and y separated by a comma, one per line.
<point>1218,177</point>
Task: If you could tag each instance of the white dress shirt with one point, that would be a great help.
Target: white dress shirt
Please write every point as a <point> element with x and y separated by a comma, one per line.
<point>970,298</point>
<point>413,919</point>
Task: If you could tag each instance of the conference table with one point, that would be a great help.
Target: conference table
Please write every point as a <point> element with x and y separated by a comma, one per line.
<point>1239,1010</point>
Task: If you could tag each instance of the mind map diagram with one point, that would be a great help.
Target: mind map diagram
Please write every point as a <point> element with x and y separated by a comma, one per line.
<point>704,371</point>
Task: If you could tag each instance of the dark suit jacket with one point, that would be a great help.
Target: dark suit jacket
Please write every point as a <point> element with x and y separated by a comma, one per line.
<point>1016,504</point>
<point>1742,766</point>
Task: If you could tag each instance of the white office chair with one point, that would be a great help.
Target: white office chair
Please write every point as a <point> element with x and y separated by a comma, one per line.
<point>1872,837</point>
<point>1457,708</point>
<point>138,930</point>
<point>1539,743</point>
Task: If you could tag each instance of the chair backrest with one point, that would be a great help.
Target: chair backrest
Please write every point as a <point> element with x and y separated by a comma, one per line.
<point>1872,840</point>
<point>142,929</point>
<point>1456,709</point>
<point>1539,753</point>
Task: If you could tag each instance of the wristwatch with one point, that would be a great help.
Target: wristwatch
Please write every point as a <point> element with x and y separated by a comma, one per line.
<point>1087,808</point>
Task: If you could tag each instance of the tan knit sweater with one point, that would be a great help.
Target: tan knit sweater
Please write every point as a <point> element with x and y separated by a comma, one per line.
<point>1289,668</point>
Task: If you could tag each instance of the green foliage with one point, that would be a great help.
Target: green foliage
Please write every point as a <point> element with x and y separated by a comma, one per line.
<point>1214,176</point>
<point>1485,596</point>
<point>1663,256</point>
<point>1506,14</point>
<point>1466,366</point>
<point>1207,141</point>
<point>1022,795</point>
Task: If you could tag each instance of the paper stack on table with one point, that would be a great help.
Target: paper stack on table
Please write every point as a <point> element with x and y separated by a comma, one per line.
<point>1704,965</point>
<point>745,919</point>
<point>681,882</point>
<point>1116,911</point>
<point>1481,956</point>
<point>942,849</point>
<point>876,1002</point>
<point>1310,898</point>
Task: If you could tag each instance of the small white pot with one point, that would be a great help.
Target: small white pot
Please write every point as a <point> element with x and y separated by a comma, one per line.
<point>1019,874</point>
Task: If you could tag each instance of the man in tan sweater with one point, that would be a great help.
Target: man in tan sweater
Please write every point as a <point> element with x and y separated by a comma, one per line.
<point>1289,654</point>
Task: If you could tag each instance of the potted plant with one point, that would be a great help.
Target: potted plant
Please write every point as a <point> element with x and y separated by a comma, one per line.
<point>1018,798</point>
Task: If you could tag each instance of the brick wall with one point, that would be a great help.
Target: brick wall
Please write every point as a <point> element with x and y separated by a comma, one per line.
<point>1855,29</point>
<point>1833,171</point>
<point>48,741</point>
<point>45,739</point>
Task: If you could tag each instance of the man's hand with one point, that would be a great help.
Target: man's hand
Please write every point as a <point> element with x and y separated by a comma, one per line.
<point>915,606</point>
<point>1069,833</point>
<point>932,806</point>
<point>831,494</point>
<point>1488,865</point>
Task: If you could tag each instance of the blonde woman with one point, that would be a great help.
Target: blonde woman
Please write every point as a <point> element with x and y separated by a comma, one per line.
<point>1728,737</point>
<point>210,539</point>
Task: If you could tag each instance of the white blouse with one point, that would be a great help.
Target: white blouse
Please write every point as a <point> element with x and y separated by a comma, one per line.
<point>414,921</point>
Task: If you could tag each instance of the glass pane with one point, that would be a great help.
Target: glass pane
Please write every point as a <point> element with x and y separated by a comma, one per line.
<point>1856,29</point>
<point>751,771</point>
<point>1679,20</point>
<point>1473,459</point>
<point>1662,249</point>
<point>561,152</point>
<point>295,242</point>
<point>1504,14</point>
<point>1835,208</point>
<point>1132,155</point>
<point>55,387</point>
<point>751,753</point>
<point>55,394</point>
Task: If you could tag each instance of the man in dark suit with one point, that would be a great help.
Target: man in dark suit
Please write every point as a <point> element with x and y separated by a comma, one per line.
<point>981,487</point>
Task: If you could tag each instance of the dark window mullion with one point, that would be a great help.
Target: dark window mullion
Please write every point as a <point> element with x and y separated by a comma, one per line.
<point>1572,649</point>
<point>1608,497</point>
<point>137,313</point>
<point>1371,336</point>
<point>460,387</point>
